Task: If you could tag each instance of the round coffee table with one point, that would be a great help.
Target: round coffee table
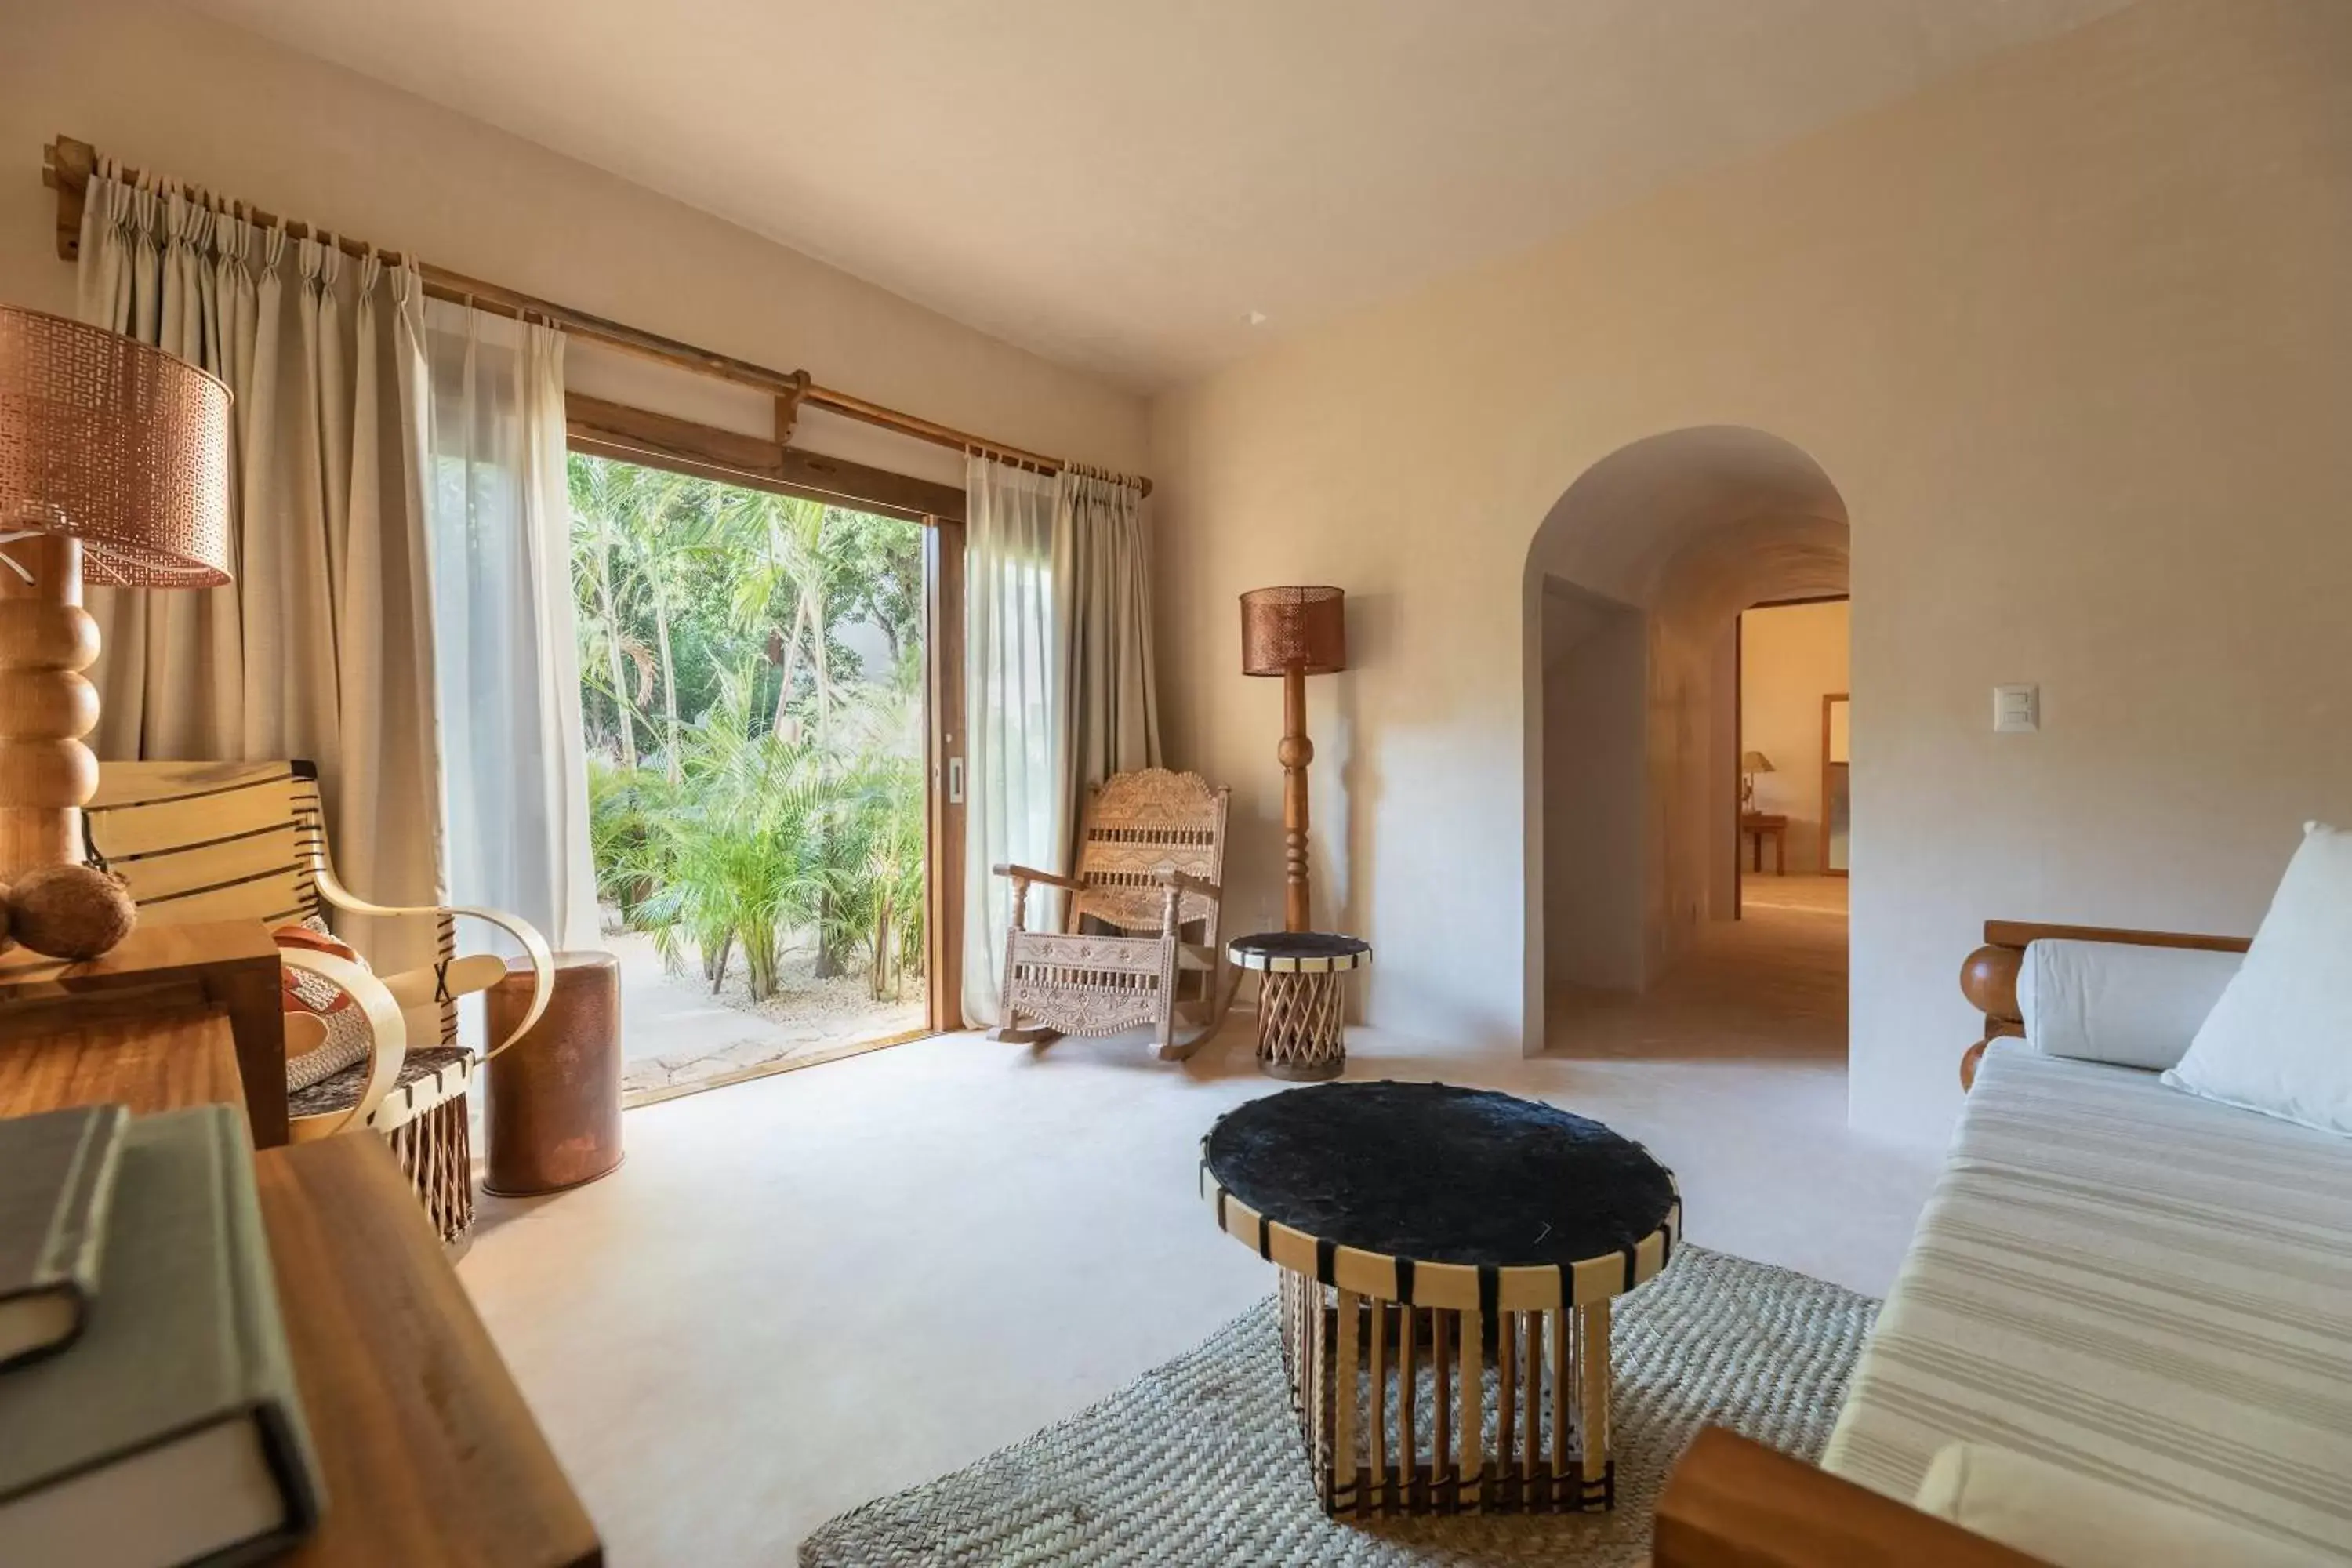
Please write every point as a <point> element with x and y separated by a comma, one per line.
<point>1464,1247</point>
<point>1301,1007</point>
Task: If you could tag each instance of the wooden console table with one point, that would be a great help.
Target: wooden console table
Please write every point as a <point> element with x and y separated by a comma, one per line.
<point>1772,825</point>
<point>426,1448</point>
<point>228,967</point>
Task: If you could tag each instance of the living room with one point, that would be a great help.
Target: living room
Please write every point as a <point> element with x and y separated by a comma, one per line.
<point>1556,339</point>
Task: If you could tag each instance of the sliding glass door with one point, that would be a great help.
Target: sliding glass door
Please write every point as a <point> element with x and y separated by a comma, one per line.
<point>772,738</point>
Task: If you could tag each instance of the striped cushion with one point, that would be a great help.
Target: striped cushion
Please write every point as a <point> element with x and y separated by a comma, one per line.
<point>2132,1283</point>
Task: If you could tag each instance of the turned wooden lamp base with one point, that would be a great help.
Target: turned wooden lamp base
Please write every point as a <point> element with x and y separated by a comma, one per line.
<point>1293,633</point>
<point>1294,752</point>
<point>47,706</point>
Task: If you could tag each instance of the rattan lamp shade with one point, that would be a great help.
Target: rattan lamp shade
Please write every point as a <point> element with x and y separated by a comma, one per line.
<point>115,443</point>
<point>1283,628</point>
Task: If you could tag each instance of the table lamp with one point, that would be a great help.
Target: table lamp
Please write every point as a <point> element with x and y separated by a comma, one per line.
<point>1750,764</point>
<point>113,468</point>
<point>1293,633</point>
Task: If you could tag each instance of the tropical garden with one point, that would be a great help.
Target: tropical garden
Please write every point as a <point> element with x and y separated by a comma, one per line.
<point>752,682</point>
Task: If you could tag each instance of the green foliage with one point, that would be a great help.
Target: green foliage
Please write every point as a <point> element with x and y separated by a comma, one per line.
<point>751,777</point>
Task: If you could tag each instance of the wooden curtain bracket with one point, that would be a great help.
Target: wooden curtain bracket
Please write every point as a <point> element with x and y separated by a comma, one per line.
<point>788,407</point>
<point>66,166</point>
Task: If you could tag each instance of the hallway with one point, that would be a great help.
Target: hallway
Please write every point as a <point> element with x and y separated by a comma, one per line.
<point>1771,986</point>
<point>1733,1068</point>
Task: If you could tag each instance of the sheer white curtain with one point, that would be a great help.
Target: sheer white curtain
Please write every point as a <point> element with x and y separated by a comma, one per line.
<point>322,646</point>
<point>1015,751</point>
<point>514,770</point>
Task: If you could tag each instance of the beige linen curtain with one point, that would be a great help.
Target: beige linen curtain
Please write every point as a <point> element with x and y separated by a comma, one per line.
<point>322,646</point>
<point>1059,690</point>
<point>1110,720</point>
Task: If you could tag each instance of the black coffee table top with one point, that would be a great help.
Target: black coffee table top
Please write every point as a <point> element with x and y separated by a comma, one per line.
<point>1442,1175</point>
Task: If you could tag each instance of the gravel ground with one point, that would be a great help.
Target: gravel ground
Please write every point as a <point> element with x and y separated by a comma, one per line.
<point>677,1034</point>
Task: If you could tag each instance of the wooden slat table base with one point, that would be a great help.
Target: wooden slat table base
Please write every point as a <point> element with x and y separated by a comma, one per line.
<point>1302,1023</point>
<point>1520,1425</point>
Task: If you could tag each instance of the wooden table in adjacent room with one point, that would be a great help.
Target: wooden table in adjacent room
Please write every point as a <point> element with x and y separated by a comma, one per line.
<point>1478,1235</point>
<point>1772,825</point>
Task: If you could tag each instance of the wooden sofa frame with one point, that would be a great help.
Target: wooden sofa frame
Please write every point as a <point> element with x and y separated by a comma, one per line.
<point>1989,978</point>
<point>1733,1503</point>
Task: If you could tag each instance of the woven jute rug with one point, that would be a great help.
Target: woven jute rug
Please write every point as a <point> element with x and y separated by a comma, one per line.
<point>1199,1461</point>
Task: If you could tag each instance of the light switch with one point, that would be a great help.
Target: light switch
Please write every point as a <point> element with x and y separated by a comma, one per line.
<point>2016,709</point>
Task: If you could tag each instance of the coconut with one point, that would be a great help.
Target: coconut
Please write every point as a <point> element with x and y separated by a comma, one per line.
<point>70,911</point>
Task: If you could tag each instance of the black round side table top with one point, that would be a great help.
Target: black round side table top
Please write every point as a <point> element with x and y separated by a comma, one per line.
<point>1440,1175</point>
<point>1302,951</point>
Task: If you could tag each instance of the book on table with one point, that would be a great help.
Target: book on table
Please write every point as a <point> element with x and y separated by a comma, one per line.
<point>170,1431</point>
<point>56,1174</point>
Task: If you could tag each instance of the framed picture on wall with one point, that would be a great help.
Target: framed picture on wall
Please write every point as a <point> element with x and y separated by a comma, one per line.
<point>1837,748</point>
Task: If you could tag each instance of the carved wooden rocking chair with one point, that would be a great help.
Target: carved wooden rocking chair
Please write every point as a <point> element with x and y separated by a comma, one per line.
<point>1151,858</point>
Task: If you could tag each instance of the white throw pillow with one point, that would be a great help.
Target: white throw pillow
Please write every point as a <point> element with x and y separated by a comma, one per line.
<point>2118,1001</point>
<point>2075,1521</point>
<point>2280,1039</point>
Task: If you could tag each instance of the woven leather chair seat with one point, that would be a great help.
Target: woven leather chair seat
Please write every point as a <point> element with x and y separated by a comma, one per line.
<point>429,1076</point>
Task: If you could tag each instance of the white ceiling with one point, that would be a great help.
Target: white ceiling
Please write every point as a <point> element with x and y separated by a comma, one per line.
<point>1118,183</point>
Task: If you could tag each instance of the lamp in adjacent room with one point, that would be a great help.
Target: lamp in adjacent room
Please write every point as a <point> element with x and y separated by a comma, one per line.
<point>1750,764</point>
<point>1293,633</point>
<point>114,469</point>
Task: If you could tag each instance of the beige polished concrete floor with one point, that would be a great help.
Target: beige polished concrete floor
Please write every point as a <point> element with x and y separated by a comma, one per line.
<point>804,1291</point>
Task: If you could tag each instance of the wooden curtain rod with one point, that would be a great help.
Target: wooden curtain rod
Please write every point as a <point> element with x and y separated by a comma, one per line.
<point>68,166</point>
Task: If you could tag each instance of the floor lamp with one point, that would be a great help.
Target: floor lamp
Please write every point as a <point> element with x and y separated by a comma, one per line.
<point>1293,633</point>
<point>113,468</point>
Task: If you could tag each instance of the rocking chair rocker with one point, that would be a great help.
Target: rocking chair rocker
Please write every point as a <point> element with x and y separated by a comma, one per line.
<point>1150,860</point>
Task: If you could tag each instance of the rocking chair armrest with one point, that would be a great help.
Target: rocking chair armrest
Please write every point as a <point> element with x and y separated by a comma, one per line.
<point>387,1029</point>
<point>1031,874</point>
<point>1169,878</point>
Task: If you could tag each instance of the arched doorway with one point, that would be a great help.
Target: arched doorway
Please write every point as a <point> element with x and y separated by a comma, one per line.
<point>1636,581</point>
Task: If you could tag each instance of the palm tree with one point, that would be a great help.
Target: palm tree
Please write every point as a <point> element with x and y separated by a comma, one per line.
<point>753,829</point>
<point>663,519</point>
<point>787,536</point>
<point>601,491</point>
<point>742,844</point>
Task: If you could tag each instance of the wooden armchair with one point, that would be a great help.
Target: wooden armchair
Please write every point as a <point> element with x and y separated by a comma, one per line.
<point>214,841</point>
<point>1151,858</point>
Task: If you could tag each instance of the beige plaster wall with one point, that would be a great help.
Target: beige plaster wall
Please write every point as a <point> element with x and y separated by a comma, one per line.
<point>1790,658</point>
<point>2071,338</point>
<point>1595,789</point>
<point>166,89</point>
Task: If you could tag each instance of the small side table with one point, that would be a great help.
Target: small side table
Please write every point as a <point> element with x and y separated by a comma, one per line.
<point>1301,999</point>
<point>1772,825</point>
<point>554,1114</point>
